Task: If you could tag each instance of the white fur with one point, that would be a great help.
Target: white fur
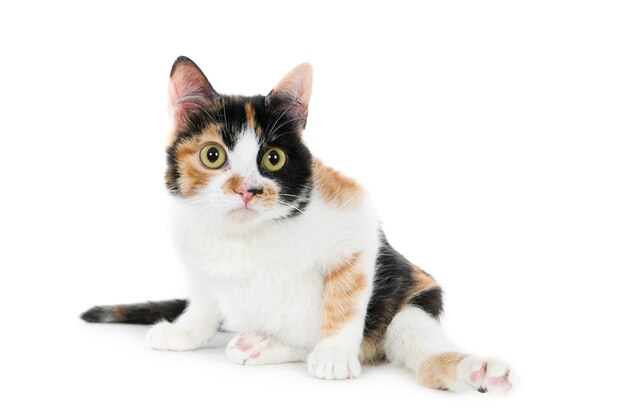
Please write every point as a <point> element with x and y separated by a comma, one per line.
<point>260,349</point>
<point>266,276</point>
<point>413,336</point>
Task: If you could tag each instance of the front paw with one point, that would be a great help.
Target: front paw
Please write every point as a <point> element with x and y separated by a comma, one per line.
<point>168,336</point>
<point>333,363</point>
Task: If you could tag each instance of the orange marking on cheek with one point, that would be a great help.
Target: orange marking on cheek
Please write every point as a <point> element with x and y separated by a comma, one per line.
<point>269,196</point>
<point>231,185</point>
<point>341,287</point>
<point>193,174</point>
<point>439,371</point>
<point>192,177</point>
<point>334,187</point>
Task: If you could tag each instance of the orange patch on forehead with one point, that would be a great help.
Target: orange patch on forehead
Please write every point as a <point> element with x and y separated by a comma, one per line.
<point>341,288</point>
<point>211,134</point>
<point>251,118</point>
<point>334,187</point>
<point>249,114</point>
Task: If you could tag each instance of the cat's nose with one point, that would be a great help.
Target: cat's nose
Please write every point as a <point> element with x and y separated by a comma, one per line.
<point>248,193</point>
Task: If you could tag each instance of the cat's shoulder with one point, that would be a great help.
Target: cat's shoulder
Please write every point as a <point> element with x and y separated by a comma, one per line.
<point>335,188</point>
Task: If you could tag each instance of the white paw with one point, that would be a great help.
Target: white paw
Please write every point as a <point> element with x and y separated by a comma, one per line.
<point>333,363</point>
<point>247,348</point>
<point>486,375</point>
<point>168,336</point>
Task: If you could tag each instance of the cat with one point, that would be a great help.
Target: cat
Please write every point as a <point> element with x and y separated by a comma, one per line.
<point>288,252</point>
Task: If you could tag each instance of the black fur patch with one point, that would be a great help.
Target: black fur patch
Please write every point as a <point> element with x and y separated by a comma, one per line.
<point>393,284</point>
<point>431,301</point>
<point>140,313</point>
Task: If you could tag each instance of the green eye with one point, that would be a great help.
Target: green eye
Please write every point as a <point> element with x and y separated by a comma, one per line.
<point>274,159</point>
<point>213,156</point>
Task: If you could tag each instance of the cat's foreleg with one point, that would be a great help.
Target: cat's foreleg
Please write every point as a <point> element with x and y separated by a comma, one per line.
<point>347,289</point>
<point>192,329</point>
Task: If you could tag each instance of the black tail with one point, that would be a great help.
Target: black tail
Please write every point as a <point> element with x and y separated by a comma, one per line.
<point>140,313</point>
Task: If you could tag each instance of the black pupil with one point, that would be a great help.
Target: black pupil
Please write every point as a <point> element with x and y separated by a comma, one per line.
<point>213,154</point>
<point>274,158</point>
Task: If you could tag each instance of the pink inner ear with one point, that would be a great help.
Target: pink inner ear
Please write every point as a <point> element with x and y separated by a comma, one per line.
<point>293,92</point>
<point>297,85</point>
<point>189,91</point>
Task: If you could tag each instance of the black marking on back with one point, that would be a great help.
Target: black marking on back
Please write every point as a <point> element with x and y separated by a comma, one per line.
<point>431,301</point>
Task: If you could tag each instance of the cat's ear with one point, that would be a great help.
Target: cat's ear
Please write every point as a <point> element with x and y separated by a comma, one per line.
<point>189,91</point>
<point>291,95</point>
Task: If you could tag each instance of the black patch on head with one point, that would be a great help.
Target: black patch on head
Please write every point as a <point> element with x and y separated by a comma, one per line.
<point>275,129</point>
<point>393,283</point>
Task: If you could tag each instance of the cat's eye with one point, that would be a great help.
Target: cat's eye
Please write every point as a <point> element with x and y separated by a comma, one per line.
<point>213,156</point>
<point>274,159</point>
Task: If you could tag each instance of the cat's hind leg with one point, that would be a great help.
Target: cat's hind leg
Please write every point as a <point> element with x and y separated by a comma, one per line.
<point>260,349</point>
<point>415,340</point>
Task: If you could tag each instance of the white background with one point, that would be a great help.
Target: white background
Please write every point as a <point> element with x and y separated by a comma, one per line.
<point>491,134</point>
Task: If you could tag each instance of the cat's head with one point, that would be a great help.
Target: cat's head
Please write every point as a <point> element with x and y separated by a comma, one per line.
<point>240,159</point>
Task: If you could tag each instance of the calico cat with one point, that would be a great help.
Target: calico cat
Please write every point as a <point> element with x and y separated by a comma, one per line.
<point>287,252</point>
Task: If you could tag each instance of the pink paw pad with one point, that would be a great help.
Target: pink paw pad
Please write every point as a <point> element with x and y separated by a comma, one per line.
<point>478,376</point>
<point>501,382</point>
<point>243,345</point>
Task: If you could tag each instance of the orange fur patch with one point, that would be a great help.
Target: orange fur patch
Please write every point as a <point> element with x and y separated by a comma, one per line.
<point>268,197</point>
<point>194,175</point>
<point>341,287</point>
<point>231,185</point>
<point>251,119</point>
<point>439,371</point>
<point>422,281</point>
<point>334,187</point>
<point>118,313</point>
<point>372,351</point>
<point>249,115</point>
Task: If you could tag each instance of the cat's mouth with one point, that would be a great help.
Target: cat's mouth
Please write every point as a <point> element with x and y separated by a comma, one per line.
<point>243,214</point>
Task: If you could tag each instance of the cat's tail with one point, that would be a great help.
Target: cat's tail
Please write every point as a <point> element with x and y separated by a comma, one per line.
<point>141,313</point>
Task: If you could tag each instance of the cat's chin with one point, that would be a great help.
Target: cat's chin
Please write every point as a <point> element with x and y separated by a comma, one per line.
<point>243,215</point>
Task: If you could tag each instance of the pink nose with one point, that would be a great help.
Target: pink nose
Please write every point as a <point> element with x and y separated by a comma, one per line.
<point>248,194</point>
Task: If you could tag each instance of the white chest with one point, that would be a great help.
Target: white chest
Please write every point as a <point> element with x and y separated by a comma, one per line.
<point>272,280</point>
